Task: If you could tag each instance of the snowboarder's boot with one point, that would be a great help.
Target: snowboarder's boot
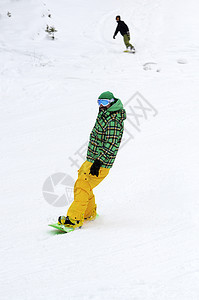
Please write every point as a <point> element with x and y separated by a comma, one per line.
<point>132,48</point>
<point>68,222</point>
<point>93,214</point>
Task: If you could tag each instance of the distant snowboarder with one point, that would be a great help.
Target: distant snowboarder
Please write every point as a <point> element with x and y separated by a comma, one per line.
<point>103,146</point>
<point>124,30</point>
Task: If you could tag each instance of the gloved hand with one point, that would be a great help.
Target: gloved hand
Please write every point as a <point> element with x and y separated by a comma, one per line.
<point>94,170</point>
<point>114,37</point>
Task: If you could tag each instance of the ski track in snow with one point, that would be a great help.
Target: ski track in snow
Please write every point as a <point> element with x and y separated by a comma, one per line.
<point>144,245</point>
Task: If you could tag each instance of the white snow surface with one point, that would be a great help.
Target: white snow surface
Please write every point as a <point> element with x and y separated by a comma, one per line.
<point>145,243</point>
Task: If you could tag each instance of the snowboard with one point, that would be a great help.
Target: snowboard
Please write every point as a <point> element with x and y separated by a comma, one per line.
<point>62,228</point>
<point>130,51</point>
<point>66,229</point>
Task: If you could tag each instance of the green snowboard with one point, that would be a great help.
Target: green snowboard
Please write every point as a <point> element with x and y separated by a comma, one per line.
<point>64,228</point>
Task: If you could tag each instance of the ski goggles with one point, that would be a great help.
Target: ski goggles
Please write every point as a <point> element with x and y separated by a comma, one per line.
<point>104,102</point>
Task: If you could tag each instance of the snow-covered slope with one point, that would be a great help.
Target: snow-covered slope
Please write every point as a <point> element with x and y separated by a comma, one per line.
<point>145,243</point>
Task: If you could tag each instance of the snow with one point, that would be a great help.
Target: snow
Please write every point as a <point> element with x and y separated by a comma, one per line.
<point>145,243</point>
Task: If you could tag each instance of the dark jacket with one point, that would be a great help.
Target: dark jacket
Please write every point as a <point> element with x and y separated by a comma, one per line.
<point>122,28</point>
<point>106,135</point>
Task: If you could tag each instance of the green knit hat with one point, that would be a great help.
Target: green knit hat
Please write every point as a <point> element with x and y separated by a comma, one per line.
<point>106,95</point>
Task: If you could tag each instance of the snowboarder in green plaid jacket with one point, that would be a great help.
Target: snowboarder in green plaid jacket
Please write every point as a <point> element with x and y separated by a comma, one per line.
<point>104,143</point>
<point>107,133</point>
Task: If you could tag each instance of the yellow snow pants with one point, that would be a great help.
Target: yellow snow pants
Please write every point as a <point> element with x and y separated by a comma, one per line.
<point>84,199</point>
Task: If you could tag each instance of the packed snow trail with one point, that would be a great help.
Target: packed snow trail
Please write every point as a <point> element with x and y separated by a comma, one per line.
<point>144,244</point>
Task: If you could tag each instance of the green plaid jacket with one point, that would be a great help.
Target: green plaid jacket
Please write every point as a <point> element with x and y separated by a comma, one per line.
<point>106,135</point>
